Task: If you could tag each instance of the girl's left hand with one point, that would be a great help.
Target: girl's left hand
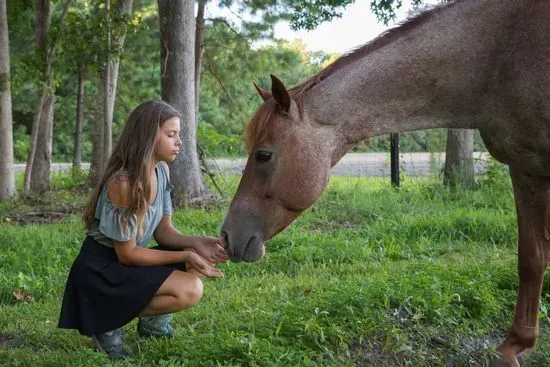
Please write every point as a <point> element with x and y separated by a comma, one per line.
<point>211,249</point>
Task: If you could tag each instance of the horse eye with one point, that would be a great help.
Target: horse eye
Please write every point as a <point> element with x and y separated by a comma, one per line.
<point>263,155</point>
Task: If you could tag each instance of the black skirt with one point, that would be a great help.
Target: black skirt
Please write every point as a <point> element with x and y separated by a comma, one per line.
<point>102,294</point>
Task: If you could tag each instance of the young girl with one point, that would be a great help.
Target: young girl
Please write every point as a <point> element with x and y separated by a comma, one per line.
<point>115,277</point>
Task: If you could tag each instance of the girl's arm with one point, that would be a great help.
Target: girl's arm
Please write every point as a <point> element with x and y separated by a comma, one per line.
<point>206,246</point>
<point>131,255</point>
<point>167,235</point>
<point>118,191</point>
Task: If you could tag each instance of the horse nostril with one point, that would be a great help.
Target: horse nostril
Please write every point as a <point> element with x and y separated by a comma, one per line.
<point>225,239</point>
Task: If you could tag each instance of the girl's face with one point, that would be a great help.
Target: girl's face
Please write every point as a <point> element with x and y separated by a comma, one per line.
<point>168,142</point>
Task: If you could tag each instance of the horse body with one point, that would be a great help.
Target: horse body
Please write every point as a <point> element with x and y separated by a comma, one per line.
<point>481,64</point>
<point>454,69</point>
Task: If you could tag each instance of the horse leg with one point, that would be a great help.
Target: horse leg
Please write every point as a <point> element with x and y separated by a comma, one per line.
<point>532,196</point>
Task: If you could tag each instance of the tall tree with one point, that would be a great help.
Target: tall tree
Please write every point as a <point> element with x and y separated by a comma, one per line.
<point>98,150</point>
<point>116,21</point>
<point>79,125</point>
<point>37,171</point>
<point>199,38</point>
<point>78,55</point>
<point>7,177</point>
<point>177,52</point>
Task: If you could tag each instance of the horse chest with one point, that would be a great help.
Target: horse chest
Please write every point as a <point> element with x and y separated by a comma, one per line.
<point>525,145</point>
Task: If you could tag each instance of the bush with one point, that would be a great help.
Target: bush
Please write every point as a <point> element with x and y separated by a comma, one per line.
<point>21,143</point>
<point>218,145</point>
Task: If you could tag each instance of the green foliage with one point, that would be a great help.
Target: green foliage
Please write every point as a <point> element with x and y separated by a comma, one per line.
<point>232,61</point>
<point>81,43</point>
<point>215,144</point>
<point>495,173</point>
<point>385,9</point>
<point>257,18</point>
<point>432,141</point>
<point>230,65</point>
<point>4,82</point>
<point>25,71</point>
<point>308,15</point>
<point>74,179</point>
<point>21,143</point>
<point>83,38</point>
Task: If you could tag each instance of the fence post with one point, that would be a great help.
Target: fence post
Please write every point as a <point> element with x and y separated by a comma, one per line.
<point>394,158</point>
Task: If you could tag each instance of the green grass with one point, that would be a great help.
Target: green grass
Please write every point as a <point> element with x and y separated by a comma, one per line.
<point>370,275</point>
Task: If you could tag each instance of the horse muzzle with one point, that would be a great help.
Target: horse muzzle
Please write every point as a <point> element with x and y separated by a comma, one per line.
<point>242,248</point>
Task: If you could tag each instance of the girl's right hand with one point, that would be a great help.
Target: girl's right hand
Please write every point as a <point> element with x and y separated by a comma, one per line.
<point>198,265</point>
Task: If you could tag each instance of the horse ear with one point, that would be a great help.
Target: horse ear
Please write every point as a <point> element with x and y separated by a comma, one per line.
<point>264,93</point>
<point>280,93</point>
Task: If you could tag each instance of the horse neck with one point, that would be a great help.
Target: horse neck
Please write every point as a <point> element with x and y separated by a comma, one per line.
<point>434,75</point>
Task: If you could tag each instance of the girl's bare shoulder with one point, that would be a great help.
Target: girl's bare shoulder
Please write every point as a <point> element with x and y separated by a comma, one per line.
<point>119,190</point>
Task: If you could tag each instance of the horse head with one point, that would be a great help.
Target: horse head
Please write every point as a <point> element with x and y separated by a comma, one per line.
<point>287,170</point>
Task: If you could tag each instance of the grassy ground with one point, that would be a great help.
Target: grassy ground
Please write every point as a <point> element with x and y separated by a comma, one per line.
<point>370,276</point>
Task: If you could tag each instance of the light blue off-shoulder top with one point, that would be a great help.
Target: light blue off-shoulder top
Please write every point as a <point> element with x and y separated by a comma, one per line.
<point>109,227</point>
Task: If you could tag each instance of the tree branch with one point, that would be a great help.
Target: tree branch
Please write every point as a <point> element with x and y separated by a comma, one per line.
<point>220,82</point>
<point>207,171</point>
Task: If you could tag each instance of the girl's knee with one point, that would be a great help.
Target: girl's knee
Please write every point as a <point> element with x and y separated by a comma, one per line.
<point>192,293</point>
<point>196,289</point>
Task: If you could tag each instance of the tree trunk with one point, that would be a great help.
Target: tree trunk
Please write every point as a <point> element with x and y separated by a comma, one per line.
<point>96,165</point>
<point>459,158</point>
<point>7,176</point>
<point>177,50</point>
<point>199,37</point>
<point>108,93</point>
<point>108,101</point>
<point>115,39</point>
<point>37,171</point>
<point>77,156</point>
<point>40,179</point>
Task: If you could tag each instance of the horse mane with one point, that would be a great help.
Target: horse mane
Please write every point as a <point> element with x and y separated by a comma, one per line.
<point>258,127</point>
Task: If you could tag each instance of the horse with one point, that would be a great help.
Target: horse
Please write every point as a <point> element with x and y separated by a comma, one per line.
<point>472,64</point>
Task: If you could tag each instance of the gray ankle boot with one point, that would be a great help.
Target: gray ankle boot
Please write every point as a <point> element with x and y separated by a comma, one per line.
<point>158,325</point>
<point>111,342</point>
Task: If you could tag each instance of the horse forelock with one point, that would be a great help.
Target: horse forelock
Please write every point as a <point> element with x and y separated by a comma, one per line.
<point>257,127</point>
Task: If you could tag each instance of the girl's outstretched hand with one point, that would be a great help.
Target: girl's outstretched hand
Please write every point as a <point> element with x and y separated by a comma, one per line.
<point>200,267</point>
<point>211,249</point>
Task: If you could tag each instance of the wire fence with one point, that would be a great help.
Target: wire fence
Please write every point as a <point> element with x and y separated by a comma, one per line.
<point>368,164</point>
<point>352,164</point>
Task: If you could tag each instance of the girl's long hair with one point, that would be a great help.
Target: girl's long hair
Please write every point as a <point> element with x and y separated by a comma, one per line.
<point>134,153</point>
